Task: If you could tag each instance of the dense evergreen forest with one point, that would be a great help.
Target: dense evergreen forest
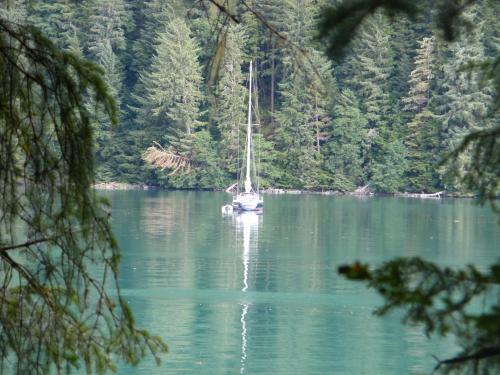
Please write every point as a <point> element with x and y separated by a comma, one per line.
<point>385,115</point>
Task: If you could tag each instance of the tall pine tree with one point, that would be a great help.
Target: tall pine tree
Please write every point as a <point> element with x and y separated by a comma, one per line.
<point>231,105</point>
<point>347,145</point>
<point>465,103</point>
<point>422,131</point>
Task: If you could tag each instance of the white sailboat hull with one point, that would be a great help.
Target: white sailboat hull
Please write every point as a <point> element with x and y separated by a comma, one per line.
<point>248,202</point>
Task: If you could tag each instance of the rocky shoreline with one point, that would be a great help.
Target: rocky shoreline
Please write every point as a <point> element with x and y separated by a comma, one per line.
<point>361,192</point>
<point>298,191</point>
<point>123,186</point>
<point>127,186</point>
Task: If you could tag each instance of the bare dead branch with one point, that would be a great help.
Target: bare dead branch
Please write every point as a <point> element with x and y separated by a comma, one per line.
<point>226,11</point>
<point>158,157</point>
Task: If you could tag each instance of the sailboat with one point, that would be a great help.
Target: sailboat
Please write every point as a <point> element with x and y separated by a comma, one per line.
<point>249,199</point>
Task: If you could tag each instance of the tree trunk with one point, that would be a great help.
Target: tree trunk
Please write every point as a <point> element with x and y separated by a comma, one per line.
<point>317,125</point>
<point>273,77</point>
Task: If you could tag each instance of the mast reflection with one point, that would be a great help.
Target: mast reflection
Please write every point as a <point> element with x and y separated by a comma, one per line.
<point>247,223</point>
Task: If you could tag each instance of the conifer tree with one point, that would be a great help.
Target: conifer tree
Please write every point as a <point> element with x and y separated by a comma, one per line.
<point>231,107</point>
<point>107,25</point>
<point>107,146</point>
<point>404,38</point>
<point>420,77</point>
<point>107,39</point>
<point>170,107</point>
<point>15,11</point>
<point>56,19</point>
<point>490,32</point>
<point>387,173</point>
<point>347,143</point>
<point>464,104</point>
<point>106,44</point>
<point>422,145</point>
<point>372,69</point>
<point>321,90</point>
<point>270,49</point>
<point>304,92</point>
<point>204,170</point>
<point>422,131</point>
<point>295,136</point>
<point>154,14</point>
<point>173,86</point>
<point>301,122</point>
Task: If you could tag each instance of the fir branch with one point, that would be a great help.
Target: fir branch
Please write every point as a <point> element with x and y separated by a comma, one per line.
<point>25,244</point>
<point>481,354</point>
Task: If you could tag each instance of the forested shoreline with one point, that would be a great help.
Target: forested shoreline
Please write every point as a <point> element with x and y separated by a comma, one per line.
<point>385,115</point>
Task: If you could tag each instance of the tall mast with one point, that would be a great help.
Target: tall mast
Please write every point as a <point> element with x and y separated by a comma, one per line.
<point>248,183</point>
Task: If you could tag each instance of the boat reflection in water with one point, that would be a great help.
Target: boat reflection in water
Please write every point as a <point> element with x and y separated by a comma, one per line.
<point>247,225</point>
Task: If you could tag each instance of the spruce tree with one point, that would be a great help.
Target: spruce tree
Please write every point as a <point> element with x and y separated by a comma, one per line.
<point>105,45</point>
<point>371,68</point>
<point>15,11</point>
<point>231,103</point>
<point>422,131</point>
<point>348,142</point>
<point>295,136</point>
<point>301,122</point>
<point>387,173</point>
<point>464,104</point>
<point>170,107</point>
<point>56,19</point>
<point>420,78</point>
<point>270,50</point>
<point>173,85</point>
<point>107,40</point>
<point>152,17</point>
<point>304,88</point>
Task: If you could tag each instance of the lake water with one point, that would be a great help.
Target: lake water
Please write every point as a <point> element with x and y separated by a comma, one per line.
<point>260,294</point>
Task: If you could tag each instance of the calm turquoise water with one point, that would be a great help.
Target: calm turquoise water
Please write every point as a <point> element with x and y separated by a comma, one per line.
<point>259,294</point>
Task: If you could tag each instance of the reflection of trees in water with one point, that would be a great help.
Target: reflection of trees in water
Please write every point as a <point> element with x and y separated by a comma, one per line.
<point>235,294</point>
<point>161,216</point>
